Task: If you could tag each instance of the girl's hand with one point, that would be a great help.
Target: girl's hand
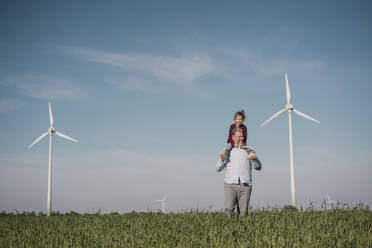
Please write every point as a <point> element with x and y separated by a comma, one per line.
<point>252,156</point>
<point>223,155</point>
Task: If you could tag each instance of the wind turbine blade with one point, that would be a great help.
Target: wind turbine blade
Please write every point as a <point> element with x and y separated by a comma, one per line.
<point>50,115</point>
<point>65,136</point>
<point>165,197</point>
<point>287,89</point>
<point>159,200</point>
<point>38,139</point>
<point>305,116</point>
<point>273,117</point>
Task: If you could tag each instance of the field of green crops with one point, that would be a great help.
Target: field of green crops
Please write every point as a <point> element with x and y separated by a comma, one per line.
<point>346,227</point>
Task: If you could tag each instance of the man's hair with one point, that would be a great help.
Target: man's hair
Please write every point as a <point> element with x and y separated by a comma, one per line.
<point>235,130</point>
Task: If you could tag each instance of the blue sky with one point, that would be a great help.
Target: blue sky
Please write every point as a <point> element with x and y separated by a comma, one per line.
<point>150,88</point>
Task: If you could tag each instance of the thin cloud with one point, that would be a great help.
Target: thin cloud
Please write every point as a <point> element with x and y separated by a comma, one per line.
<point>175,70</point>
<point>268,67</point>
<point>9,104</point>
<point>278,67</point>
<point>131,83</point>
<point>46,87</point>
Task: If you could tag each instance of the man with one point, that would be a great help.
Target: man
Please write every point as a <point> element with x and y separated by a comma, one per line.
<point>238,179</point>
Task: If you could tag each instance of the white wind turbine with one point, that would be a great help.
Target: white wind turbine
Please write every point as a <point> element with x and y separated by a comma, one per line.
<point>163,203</point>
<point>50,131</point>
<point>289,107</point>
<point>329,203</point>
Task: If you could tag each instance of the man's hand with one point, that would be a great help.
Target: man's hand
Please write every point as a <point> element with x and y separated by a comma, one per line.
<point>223,155</point>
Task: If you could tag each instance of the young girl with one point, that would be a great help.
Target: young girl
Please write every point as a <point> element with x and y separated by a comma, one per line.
<point>239,119</point>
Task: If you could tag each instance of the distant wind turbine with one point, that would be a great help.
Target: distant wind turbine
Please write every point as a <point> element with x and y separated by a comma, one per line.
<point>329,203</point>
<point>289,107</point>
<point>163,203</point>
<point>51,131</point>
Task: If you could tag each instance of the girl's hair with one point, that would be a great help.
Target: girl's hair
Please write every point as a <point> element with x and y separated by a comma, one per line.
<point>241,113</point>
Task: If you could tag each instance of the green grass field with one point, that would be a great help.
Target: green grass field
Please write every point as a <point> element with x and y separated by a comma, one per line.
<point>344,228</point>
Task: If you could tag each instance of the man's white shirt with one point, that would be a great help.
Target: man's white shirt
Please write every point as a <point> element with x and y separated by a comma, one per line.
<point>238,167</point>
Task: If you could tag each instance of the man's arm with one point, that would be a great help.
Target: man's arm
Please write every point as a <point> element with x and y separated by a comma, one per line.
<point>256,163</point>
<point>253,160</point>
<point>220,165</point>
<point>224,160</point>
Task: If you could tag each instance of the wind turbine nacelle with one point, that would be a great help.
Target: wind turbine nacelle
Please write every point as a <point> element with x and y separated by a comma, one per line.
<point>51,130</point>
<point>289,107</point>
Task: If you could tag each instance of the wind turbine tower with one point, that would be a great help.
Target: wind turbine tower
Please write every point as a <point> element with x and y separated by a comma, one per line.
<point>50,131</point>
<point>290,108</point>
<point>163,203</point>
